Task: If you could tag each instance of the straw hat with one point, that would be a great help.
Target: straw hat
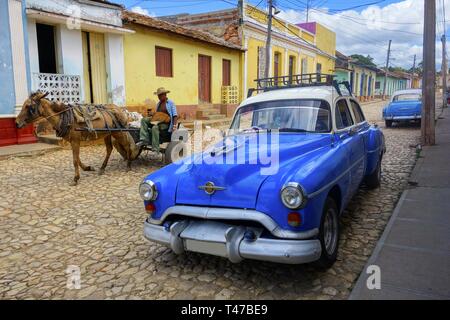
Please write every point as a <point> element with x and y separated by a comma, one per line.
<point>161,91</point>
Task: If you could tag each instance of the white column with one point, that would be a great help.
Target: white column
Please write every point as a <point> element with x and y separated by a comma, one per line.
<point>115,67</point>
<point>33,47</point>
<point>69,46</point>
<point>18,51</point>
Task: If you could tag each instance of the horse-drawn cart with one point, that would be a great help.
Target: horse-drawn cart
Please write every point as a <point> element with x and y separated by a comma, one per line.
<point>172,145</point>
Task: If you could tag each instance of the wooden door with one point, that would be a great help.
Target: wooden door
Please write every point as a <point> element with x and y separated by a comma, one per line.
<point>226,72</point>
<point>98,68</point>
<point>204,78</point>
<point>86,68</point>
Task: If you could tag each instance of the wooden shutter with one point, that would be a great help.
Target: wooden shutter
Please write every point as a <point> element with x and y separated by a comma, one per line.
<point>276,65</point>
<point>163,60</point>
<point>226,72</point>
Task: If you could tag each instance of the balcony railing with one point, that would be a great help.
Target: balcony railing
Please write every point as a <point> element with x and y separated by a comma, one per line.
<point>61,87</point>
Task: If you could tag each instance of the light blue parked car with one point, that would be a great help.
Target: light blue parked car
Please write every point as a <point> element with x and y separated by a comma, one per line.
<point>405,106</point>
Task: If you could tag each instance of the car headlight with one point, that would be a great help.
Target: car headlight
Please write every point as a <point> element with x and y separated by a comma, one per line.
<point>148,191</point>
<point>293,196</point>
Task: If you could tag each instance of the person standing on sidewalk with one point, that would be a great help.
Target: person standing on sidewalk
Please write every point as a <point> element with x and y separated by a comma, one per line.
<point>149,133</point>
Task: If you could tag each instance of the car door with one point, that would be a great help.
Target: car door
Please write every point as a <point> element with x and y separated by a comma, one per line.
<point>353,142</point>
<point>363,130</point>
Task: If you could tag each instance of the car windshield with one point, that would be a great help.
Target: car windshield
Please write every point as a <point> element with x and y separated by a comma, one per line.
<point>284,115</point>
<point>407,97</point>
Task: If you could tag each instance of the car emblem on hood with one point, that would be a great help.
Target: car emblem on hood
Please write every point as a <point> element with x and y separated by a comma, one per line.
<point>210,188</point>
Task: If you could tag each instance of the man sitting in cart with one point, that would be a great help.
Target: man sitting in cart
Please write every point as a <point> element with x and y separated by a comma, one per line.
<point>166,115</point>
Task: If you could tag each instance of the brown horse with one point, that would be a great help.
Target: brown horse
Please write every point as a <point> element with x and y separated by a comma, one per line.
<point>36,107</point>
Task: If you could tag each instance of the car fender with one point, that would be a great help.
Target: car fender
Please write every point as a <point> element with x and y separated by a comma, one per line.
<point>375,149</point>
<point>317,173</point>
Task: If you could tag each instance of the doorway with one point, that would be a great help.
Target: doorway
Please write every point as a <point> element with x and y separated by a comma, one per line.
<point>94,65</point>
<point>204,79</point>
<point>46,48</point>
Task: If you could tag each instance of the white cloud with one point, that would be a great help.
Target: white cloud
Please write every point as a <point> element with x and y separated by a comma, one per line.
<point>140,10</point>
<point>368,31</point>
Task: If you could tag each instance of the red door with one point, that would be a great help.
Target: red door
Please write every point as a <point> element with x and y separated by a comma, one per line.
<point>204,78</point>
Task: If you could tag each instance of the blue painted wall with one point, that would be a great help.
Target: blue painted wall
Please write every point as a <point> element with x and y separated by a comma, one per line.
<point>7,94</point>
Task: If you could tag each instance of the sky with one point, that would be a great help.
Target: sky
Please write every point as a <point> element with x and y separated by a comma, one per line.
<point>361,26</point>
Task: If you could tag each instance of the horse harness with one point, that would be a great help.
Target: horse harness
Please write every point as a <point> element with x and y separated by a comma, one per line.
<point>67,117</point>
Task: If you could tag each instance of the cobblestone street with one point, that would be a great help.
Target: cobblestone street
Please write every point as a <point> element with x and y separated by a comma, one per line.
<point>47,226</point>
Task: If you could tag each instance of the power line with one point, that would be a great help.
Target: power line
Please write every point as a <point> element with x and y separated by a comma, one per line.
<point>354,18</point>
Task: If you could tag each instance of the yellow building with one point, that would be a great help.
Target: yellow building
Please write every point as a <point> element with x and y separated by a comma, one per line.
<point>201,71</point>
<point>294,49</point>
<point>325,41</point>
<point>290,52</point>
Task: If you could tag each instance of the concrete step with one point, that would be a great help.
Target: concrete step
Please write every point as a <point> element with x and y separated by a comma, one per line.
<point>50,139</point>
<point>207,112</point>
<point>215,123</point>
<point>26,150</point>
<point>215,116</point>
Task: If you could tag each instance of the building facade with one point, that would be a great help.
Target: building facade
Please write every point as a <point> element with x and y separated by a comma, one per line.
<point>76,50</point>
<point>294,49</point>
<point>325,41</point>
<point>361,78</point>
<point>72,49</point>
<point>201,71</point>
<point>14,71</point>
<point>394,82</point>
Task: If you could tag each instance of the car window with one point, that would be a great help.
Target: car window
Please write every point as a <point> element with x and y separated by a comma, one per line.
<point>407,97</point>
<point>357,112</point>
<point>297,115</point>
<point>342,114</point>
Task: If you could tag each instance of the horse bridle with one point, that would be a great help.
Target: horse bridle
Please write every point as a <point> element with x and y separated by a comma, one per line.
<point>33,109</point>
<point>34,112</point>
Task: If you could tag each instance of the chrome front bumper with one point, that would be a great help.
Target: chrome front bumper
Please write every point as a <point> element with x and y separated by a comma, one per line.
<point>233,242</point>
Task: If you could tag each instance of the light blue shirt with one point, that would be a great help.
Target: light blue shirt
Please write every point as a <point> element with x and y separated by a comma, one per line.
<point>171,110</point>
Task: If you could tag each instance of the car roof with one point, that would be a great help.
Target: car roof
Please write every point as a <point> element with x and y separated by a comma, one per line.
<point>327,93</point>
<point>407,91</point>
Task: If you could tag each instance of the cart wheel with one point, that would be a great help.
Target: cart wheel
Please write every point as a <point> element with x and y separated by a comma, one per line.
<point>175,151</point>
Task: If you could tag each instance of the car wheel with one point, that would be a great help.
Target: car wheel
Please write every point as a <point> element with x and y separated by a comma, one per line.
<point>388,123</point>
<point>329,234</point>
<point>175,151</point>
<point>373,180</point>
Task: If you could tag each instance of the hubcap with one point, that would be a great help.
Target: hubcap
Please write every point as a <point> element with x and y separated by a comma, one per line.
<point>330,231</point>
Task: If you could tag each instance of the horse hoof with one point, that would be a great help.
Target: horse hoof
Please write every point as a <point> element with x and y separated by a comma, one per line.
<point>90,168</point>
<point>101,172</point>
<point>73,183</point>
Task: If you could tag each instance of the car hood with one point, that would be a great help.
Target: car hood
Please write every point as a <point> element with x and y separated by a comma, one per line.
<point>240,164</point>
<point>400,107</point>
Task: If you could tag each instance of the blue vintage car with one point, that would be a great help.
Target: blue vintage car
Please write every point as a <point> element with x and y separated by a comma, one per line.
<point>283,207</point>
<point>405,105</point>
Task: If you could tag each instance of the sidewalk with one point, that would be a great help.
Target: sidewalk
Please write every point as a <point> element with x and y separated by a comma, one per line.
<point>414,251</point>
<point>21,150</point>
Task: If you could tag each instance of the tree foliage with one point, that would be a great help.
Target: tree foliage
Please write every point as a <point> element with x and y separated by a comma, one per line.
<point>364,60</point>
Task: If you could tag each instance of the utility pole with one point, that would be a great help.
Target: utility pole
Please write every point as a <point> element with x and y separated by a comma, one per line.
<point>444,71</point>
<point>307,10</point>
<point>386,70</point>
<point>429,74</point>
<point>241,11</point>
<point>413,71</point>
<point>269,39</point>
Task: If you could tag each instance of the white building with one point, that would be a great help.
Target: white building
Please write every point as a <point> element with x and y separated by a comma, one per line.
<point>76,50</point>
